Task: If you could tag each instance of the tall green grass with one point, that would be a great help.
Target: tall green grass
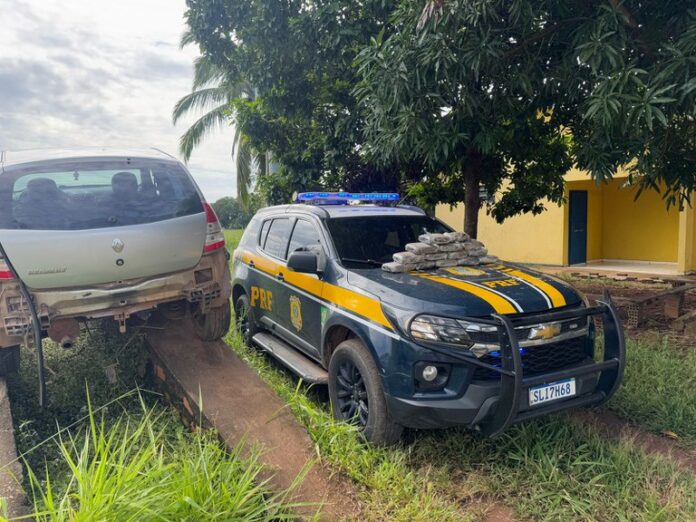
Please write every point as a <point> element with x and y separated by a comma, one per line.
<point>132,470</point>
<point>129,457</point>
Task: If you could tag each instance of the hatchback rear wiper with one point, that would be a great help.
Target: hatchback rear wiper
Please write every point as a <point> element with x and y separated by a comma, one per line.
<point>362,261</point>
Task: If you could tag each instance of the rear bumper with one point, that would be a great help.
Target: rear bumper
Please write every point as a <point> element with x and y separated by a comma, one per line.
<point>493,406</point>
<point>207,283</point>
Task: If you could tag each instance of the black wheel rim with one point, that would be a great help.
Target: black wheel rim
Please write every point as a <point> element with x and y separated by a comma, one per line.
<point>352,394</point>
<point>242,316</point>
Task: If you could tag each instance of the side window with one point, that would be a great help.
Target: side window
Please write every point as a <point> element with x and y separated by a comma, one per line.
<point>303,236</point>
<point>277,239</point>
<point>264,233</point>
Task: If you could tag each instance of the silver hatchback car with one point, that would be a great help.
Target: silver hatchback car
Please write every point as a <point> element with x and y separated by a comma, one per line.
<point>88,234</point>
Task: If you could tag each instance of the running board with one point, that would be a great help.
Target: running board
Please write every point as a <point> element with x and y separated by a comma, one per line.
<point>297,363</point>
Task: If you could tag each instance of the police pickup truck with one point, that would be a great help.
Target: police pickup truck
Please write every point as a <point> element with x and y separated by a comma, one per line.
<point>481,346</point>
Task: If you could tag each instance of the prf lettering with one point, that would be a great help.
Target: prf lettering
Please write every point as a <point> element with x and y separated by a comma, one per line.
<point>501,282</point>
<point>263,297</point>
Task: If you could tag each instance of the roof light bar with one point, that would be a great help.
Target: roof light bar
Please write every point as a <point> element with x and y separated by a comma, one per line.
<point>336,197</point>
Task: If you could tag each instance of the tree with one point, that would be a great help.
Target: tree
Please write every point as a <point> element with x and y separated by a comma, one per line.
<point>232,214</point>
<point>507,94</point>
<point>299,57</point>
<point>213,92</point>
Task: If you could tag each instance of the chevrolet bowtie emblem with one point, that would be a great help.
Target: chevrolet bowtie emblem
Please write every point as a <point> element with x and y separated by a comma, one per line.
<point>117,245</point>
<point>544,331</point>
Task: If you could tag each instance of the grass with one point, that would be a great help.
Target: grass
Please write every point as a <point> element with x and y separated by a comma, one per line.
<point>132,469</point>
<point>128,457</point>
<point>549,469</point>
<point>232,238</point>
<point>659,388</point>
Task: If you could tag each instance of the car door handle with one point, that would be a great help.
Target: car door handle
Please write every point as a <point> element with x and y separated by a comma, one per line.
<point>280,276</point>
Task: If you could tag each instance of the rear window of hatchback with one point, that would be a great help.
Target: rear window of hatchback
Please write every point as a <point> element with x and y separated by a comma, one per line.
<point>88,193</point>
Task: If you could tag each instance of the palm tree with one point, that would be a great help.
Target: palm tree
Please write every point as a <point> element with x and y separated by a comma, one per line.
<point>213,94</point>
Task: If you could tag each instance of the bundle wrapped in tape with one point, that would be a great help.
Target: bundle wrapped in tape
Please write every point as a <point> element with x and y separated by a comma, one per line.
<point>451,247</point>
<point>440,251</point>
<point>408,258</point>
<point>457,237</point>
<point>421,248</point>
<point>397,267</point>
<point>435,239</point>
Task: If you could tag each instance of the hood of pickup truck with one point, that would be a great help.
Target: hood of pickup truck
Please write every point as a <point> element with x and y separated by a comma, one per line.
<point>468,291</point>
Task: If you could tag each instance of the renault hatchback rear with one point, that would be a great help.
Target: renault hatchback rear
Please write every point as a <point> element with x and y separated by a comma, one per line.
<point>96,234</point>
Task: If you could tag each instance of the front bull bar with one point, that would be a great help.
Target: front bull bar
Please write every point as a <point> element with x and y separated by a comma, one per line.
<point>513,383</point>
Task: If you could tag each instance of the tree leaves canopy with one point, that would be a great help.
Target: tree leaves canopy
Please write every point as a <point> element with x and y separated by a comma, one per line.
<point>299,58</point>
<point>532,85</point>
<point>442,95</point>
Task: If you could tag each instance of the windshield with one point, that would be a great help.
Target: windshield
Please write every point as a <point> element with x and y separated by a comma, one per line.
<point>87,193</point>
<point>370,241</point>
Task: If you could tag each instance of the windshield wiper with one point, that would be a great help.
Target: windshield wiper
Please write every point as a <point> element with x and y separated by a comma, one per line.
<point>362,261</point>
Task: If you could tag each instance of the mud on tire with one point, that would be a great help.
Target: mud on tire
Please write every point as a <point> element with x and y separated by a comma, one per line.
<point>214,324</point>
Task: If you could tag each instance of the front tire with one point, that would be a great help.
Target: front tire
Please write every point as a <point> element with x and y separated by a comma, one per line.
<point>357,394</point>
<point>213,324</point>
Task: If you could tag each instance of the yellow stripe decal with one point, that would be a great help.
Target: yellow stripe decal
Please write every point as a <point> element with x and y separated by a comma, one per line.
<point>499,303</point>
<point>556,297</point>
<point>353,301</point>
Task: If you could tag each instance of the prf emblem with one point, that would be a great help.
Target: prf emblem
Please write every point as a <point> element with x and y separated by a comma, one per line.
<point>296,312</point>
<point>261,297</point>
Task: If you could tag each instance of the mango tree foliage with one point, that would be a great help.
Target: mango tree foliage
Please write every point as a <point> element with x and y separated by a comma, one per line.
<point>299,57</point>
<point>509,93</point>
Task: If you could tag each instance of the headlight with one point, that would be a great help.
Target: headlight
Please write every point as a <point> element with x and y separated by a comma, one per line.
<point>445,330</point>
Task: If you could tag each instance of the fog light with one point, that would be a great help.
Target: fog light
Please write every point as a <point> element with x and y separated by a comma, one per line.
<point>429,373</point>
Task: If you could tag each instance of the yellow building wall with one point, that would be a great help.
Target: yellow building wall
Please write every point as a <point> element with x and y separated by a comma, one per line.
<point>618,227</point>
<point>525,238</point>
<point>642,229</point>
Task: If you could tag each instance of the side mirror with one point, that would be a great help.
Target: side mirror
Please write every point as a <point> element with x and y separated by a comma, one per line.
<point>303,262</point>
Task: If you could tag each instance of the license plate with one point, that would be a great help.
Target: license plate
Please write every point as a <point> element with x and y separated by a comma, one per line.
<point>552,392</point>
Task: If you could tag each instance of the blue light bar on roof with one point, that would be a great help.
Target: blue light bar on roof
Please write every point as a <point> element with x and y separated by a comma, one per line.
<point>335,197</point>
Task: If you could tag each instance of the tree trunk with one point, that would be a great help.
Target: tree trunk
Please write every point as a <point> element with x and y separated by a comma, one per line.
<point>472,198</point>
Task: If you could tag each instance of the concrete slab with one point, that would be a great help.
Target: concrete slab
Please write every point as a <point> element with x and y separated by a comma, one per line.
<point>10,468</point>
<point>212,384</point>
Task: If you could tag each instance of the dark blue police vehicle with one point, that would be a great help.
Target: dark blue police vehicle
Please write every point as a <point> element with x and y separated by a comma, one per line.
<point>483,346</point>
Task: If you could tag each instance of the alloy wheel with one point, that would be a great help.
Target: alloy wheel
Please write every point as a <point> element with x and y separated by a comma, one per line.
<point>352,394</point>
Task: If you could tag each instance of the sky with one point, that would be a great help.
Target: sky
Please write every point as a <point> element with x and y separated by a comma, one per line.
<point>76,73</point>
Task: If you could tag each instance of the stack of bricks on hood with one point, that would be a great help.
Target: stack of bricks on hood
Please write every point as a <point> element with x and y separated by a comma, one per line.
<point>440,251</point>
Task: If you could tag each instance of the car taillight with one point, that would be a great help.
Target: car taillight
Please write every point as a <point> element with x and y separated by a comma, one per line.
<point>214,238</point>
<point>5,272</point>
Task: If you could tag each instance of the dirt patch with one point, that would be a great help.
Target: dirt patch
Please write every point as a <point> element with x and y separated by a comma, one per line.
<point>212,383</point>
<point>499,513</point>
<point>610,424</point>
